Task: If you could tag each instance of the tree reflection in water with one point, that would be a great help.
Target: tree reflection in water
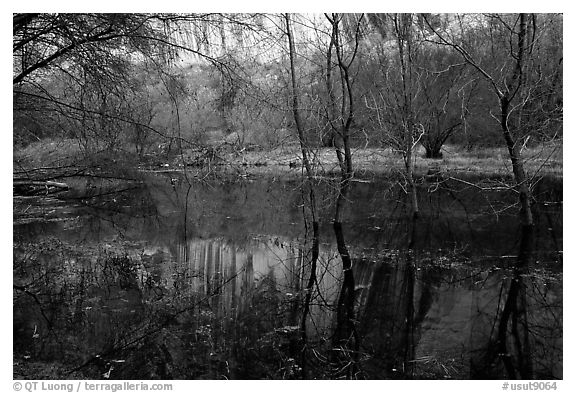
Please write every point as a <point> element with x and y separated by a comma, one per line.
<point>187,303</point>
<point>526,339</point>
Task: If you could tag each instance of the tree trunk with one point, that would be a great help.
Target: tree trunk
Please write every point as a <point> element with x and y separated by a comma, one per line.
<point>30,187</point>
<point>402,24</point>
<point>295,104</point>
<point>515,87</point>
<point>309,182</point>
<point>514,151</point>
<point>409,163</point>
<point>433,152</point>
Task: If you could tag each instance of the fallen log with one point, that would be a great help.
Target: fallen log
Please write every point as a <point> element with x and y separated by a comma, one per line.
<point>34,187</point>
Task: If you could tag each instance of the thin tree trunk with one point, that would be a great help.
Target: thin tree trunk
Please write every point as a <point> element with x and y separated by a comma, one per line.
<point>514,151</point>
<point>342,137</point>
<point>516,87</point>
<point>345,330</point>
<point>403,37</point>
<point>295,104</point>
<point>409,163</point>
<point>309,182</point>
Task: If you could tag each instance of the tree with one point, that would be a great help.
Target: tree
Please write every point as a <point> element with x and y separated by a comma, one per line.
<point>395,106</point>
<point>446,89</point>
<point>97,43</point>
<point>341,119</point>
<point>304,146</point>
<point>503,49</point>
<point>85,66</point>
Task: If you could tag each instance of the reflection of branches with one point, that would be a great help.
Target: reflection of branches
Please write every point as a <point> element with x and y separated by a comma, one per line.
<point>152,330</point>
<point>345,335</point>
<point>510,314</point>
<point>515,339</point>
<point>310,284</point>
<point>320,279</point>
<point>24,288</point>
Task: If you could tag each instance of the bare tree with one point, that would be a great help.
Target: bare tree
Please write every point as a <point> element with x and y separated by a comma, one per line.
<point>341,119</point>
<point>305,150</point>
<point>446,90</point>
<point>394,107</point>
<point>100,54</point>
<point>512,81</point>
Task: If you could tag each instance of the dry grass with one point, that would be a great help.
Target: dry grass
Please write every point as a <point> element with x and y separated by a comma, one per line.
<point>285,160</point>
<point>61,157</point>
<point>48,152</point>
<point>431,367</point>
<point>540,160</point>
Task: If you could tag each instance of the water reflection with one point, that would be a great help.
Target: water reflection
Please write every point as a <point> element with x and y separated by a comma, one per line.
<point>174,300</point>
<point>526,340</point>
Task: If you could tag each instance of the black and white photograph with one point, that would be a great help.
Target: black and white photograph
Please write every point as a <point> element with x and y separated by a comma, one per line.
<point>287,196</point>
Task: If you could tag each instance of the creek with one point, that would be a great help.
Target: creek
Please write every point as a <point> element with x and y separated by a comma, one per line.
<point>163,279</point>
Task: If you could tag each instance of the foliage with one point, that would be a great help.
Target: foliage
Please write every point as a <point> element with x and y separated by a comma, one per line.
<point>139,80</point>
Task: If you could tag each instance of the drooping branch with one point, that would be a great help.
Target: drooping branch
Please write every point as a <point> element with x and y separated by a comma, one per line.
<point>102,114</point>
<point>65,36</point>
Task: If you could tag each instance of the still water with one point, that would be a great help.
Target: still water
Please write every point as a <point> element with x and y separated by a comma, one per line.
<point>211,280</point>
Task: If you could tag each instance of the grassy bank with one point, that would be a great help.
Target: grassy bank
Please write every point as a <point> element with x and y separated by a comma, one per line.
<point>541,160</point>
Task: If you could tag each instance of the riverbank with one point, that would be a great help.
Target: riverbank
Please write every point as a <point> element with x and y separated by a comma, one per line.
<point>65,158</point>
